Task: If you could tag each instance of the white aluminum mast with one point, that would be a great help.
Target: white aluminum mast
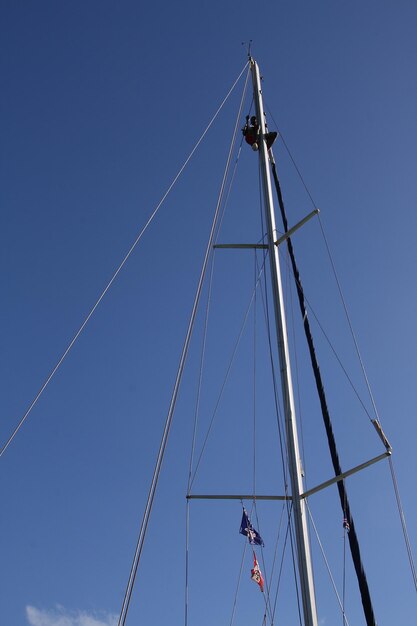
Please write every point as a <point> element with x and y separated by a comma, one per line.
<point>299,505</point>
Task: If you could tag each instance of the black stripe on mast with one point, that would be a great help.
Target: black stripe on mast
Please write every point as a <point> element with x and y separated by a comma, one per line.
<point>353,539</point>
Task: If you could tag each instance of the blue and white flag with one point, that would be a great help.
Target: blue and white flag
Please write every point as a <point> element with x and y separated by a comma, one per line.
<point>247,529</point>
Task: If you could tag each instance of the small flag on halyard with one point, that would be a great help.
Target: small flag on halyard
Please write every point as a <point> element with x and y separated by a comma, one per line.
<point>346,524</point>
<point>256,573</point>
<point>247,529</point>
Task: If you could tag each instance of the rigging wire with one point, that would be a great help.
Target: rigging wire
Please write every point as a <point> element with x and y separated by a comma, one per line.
<point>187,559</point>
<point>180,370</point>
<point>338,359</point>
<point>352,332</point>
<point>342,298</point>
<point>288,534</point>
<point>297,374</point>
<point>223,386</point>
<point>362,365</point>
<point>254,373</point>
<point>268,607</point>
<point>353,540</point>
<point>274,560</point>
<point>279,414</point>
<point>295,271</point>
<point>361,362</point>
<point>344,578</point>
<point>298,386</point>
<point>197,407</point>
<point>281,433</point>
<point>232,617</point>
<point>300,619</point>
<point>230,186</point>
<point>118,270</point>
<point>309,304</point>
<point>264,296</point>
<point>281,430</point>
<point>297,169</point>
<point>329,571</point>
<point>281,427</point>
<point>203,350</point>
<point>200,376</point>
<point>282,561</point>
<point>377,418</point>
<point>403,524</point>
<point>200,380</point>
<point>266,596</point>
<point>196,414</point>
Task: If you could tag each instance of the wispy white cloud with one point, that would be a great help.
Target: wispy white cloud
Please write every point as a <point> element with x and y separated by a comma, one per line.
<point>61,617</point>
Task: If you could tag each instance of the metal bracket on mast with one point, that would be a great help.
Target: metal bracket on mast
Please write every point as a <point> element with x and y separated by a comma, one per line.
<point>296,227</point>
<point>264,246</point>
<point>235,497</point>
<point>344,475</point>
<point>306,494</point>
<point>243,246</point>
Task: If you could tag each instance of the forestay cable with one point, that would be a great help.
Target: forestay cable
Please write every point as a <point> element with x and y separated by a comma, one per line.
<point>113,278</point>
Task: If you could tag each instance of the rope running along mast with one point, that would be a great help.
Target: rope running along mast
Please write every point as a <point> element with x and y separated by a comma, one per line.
<point>299,505</point>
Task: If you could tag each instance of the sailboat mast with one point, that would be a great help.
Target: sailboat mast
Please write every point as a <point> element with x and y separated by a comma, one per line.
<point>298,504</point>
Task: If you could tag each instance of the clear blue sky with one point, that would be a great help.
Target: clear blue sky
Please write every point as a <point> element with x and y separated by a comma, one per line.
<point>101,103</point>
